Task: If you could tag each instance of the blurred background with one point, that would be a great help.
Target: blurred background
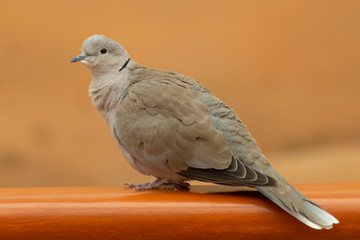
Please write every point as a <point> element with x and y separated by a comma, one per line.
<point>290,69</point>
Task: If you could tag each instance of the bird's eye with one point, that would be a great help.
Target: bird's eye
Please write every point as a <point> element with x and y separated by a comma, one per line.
<point>103,50</point>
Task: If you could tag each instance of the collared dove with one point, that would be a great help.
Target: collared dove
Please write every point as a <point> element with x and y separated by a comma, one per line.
<point>170,126</point>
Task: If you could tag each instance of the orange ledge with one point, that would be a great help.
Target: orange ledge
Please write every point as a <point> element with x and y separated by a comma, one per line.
<point>119,213</point>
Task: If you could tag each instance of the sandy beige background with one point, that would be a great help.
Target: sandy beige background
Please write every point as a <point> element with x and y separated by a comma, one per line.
<point>290,69</point>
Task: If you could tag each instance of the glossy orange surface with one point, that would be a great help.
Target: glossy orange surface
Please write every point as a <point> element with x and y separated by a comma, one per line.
<point>205,213</point>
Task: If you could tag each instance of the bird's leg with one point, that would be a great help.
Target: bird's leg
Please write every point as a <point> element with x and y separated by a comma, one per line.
<point>146,186</point>
<point>160,183</point>
<point>175,185</point>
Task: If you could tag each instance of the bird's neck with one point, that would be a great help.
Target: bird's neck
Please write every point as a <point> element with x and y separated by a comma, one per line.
<point>107,90</point>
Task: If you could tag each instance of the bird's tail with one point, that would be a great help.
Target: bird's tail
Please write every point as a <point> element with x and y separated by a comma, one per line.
<point>296,204</point>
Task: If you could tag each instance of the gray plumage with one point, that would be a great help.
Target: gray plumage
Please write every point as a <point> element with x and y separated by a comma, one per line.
<point>171,127</point>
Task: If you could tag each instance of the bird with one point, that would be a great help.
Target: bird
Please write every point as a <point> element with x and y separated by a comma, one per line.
<point>170,126</point>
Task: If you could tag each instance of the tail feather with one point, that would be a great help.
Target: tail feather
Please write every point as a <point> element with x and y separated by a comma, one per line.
<point>319,215</point>
<point>301,207</point>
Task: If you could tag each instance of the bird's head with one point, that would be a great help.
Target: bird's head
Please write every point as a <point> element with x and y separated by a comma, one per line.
<point>101,55</point>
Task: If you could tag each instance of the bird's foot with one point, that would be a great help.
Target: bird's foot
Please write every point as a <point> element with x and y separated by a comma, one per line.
<point>146,186</point>
<point>159,183</point>
<point>176,186</point>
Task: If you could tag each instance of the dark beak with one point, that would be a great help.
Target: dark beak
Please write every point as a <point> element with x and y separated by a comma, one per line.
<point>79,58</point>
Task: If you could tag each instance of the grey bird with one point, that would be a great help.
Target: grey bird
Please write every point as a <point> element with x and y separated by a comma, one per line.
<point>170,126</point>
